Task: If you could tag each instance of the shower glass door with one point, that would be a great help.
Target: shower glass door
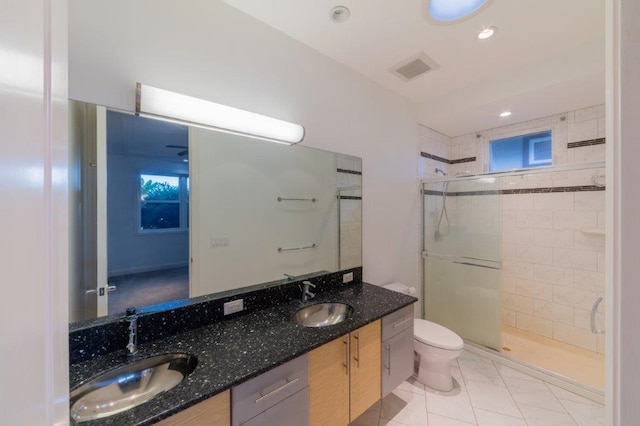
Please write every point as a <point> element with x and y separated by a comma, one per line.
<point>462,251</point>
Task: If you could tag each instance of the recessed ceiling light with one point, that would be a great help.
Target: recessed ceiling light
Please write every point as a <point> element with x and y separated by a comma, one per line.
<point>339,14</point>
<point>505,114</point>
<point>486,33</point>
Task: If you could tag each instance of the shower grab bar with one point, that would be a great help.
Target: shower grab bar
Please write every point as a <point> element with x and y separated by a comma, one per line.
<point>313,200</point>
<point>312,246</point>
<point>464,260</point>
<point>594,311</point>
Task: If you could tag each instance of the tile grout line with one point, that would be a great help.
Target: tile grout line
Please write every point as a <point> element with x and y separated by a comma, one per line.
<point>563,406</point>
<point>511,394</point>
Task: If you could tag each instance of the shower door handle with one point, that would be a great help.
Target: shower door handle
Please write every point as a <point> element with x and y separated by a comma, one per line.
<point>594,311</point>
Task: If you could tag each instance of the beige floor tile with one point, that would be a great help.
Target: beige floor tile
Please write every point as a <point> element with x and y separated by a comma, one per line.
<point>455,405</point>
<point>405,407</point>
<point>564,394</point>
<point>436,420</point>
<point>531,393</point>
<point>585,414</point>
<point>536,416</point>
<point>497,399</point>
<point>487,418</point>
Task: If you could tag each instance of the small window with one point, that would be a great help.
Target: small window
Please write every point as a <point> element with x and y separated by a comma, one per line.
<point>520,152</point>
<point>164,203</point>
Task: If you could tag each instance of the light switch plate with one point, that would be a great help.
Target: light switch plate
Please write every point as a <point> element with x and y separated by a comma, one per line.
<point>347,278</point>
<point>233,306</point>
<point>219,241</point>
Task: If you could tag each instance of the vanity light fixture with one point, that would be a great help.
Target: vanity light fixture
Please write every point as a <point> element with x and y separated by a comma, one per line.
<point>505,114</point>
<point>486,33</point>
<point>163,104</point>
<point>448,11</point>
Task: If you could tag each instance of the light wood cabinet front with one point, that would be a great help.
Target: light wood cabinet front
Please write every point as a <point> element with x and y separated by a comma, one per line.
<point>365,370</point>
<point>215,411</point>
<point>345,377</point>
<point>329,384</point>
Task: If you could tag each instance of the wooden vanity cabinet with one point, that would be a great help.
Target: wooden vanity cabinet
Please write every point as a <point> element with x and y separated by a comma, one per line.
<point>215,411</point>
<point>344,377</point>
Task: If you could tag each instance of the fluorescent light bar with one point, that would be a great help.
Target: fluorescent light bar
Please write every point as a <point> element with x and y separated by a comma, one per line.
<point>159,103</point>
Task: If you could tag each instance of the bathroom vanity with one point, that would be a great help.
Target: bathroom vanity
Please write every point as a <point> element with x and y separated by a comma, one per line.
<point>260,362</point>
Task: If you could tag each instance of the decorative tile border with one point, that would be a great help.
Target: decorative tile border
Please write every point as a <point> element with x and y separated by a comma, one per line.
<point>463,160</point>
<point>444,160</point>
<point>519,191</point>
<point>351,172</point>
<point>589,142</point>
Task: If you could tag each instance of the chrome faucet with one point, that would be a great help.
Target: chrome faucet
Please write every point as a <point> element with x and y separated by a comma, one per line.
<point>132,320</point>
<point>306,293</point>
<point>290,277</point>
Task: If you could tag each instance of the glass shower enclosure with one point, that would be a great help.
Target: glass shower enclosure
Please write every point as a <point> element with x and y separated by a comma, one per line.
<point>462,252</point>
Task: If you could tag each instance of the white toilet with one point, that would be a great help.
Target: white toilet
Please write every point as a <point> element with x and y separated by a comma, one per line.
<point>435,345</point>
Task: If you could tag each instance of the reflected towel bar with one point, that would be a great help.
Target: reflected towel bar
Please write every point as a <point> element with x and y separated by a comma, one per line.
<point>312,246</point>
<point>313,200</point>
<point>463,260</point>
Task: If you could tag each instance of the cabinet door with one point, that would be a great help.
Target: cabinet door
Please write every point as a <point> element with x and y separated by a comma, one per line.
<point>329,383</point>
<point>215,411</point>
<point>397,360</point>
<point>365,368</point>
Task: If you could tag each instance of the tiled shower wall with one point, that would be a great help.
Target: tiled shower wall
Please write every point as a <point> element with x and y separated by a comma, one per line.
<point>349,182</point>
<point>553,242</point>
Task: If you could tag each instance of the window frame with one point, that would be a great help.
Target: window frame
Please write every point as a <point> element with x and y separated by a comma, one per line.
<point>183,202</point>
<point>526,135</point>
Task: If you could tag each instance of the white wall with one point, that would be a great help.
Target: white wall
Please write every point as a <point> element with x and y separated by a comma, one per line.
<point>623,201</point>
<point>235,196</point>
<point>33,183</point>
<point>207,49</point>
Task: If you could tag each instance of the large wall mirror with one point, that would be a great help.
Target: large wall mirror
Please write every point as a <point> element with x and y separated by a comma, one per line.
<point>162,211</point>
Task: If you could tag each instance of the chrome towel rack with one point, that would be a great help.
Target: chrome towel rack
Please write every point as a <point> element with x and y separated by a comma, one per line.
<point>312,246</point>
<point>313,200</point>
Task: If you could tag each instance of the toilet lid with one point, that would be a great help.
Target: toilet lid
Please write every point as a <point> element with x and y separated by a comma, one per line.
<point>436,335</point>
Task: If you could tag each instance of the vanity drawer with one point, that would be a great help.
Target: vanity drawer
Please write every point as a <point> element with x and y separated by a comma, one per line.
<point>397,321</point>
<point>263,392</point>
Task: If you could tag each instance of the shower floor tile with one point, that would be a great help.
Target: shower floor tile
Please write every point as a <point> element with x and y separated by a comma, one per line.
<point>569,361</point>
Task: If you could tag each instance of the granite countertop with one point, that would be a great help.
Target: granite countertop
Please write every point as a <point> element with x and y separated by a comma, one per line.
<point>233,351</point>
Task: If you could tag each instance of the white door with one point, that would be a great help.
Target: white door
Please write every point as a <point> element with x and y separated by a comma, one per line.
<point>101,212</point>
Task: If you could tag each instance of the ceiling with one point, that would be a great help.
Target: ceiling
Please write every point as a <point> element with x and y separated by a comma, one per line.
<point>136,136</point>
<point>547,56</point>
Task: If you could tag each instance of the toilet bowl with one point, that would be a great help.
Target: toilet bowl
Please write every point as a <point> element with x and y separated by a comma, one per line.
<point>435,346</point>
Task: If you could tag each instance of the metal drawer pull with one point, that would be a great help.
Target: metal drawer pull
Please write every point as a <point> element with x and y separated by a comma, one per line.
<point>404,321</point>
<point>357,357</point>
<point>346,354</point>
<point>594,311</point>
<point>286,385</point>
<point>388,347</point>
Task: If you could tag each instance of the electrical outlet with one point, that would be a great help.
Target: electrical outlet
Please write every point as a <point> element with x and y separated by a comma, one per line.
<point>233,306</point>
<point>347,278</point>
<point>220,241</point>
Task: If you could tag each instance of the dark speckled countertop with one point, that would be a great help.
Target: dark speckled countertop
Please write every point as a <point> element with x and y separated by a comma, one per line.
<point>235,350</point>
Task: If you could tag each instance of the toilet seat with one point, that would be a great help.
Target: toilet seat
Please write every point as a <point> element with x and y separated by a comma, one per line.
<point>433,334</point>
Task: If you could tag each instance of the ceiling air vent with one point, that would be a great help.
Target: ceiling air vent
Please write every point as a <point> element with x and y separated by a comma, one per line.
<point>414,66</point>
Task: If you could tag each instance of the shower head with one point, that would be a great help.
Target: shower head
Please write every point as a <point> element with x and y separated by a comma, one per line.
<point>440,171</point>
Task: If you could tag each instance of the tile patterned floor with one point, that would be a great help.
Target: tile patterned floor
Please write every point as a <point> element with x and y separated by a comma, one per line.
<point>485,394</point>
